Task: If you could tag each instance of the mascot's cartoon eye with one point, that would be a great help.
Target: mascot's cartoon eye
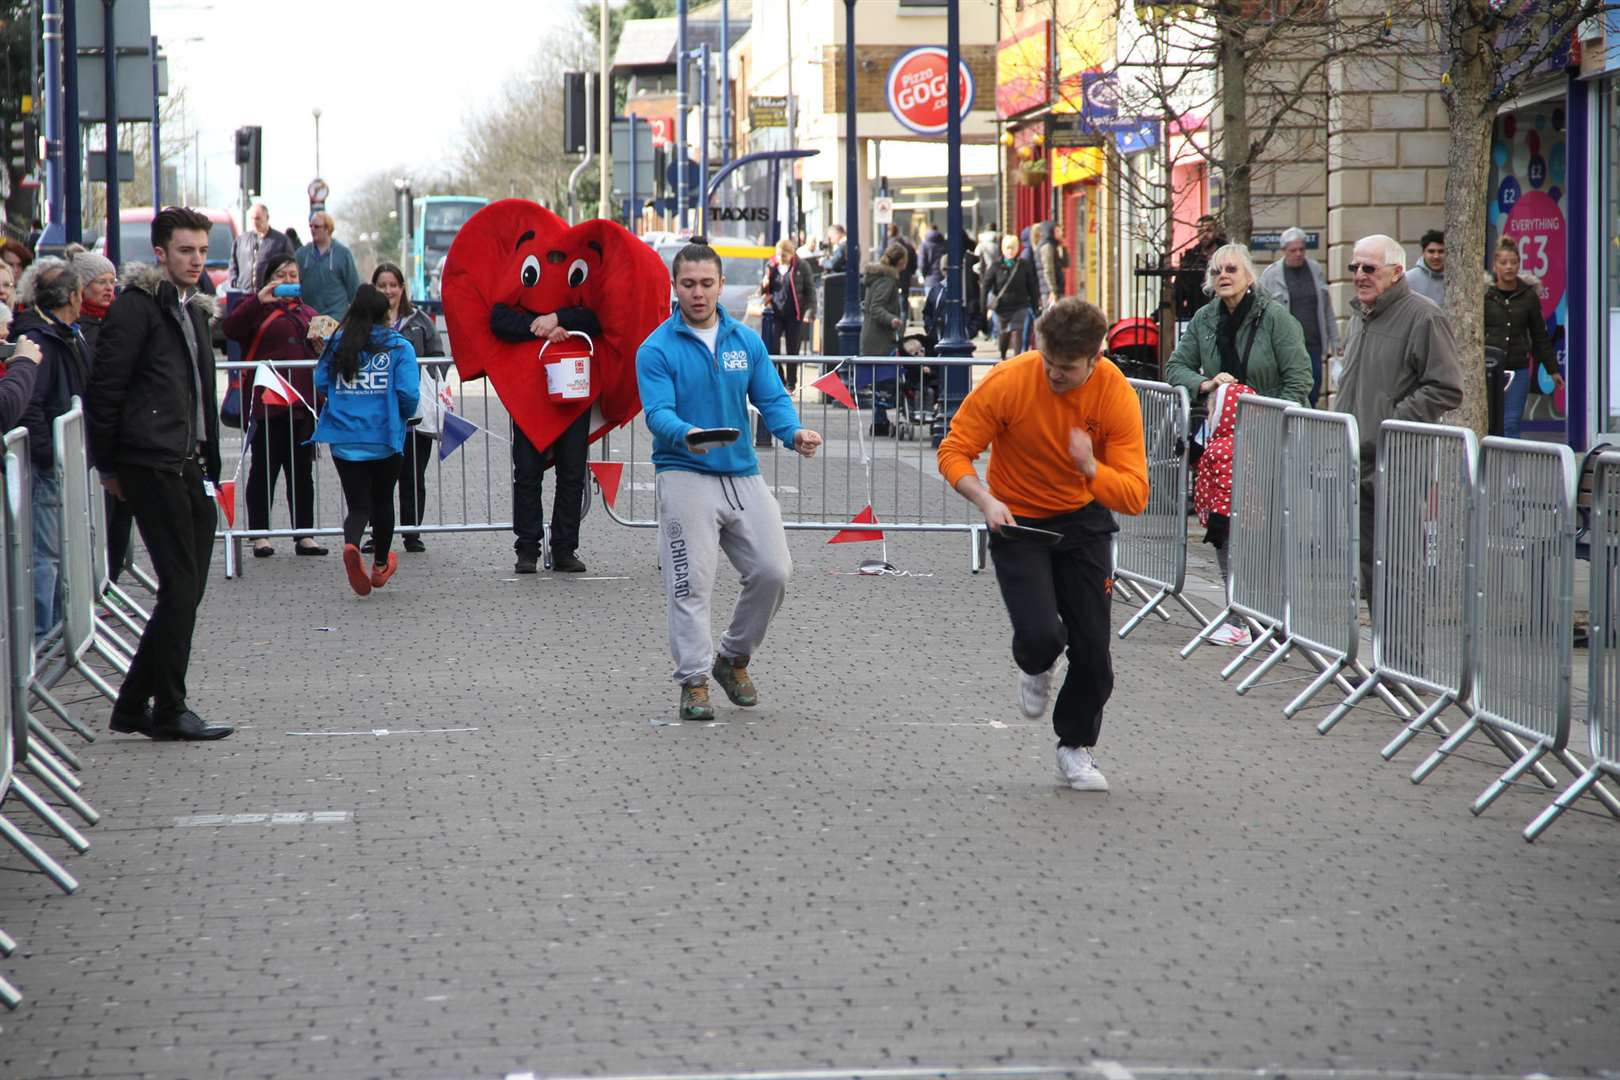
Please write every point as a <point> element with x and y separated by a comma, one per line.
<point>577,273</point>
<point>530,274</point>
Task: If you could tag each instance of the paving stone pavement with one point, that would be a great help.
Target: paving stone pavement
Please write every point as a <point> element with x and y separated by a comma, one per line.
<point>874,868</point>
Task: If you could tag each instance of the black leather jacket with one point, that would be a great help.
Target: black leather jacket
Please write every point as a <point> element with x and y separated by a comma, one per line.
<point>63,371</point>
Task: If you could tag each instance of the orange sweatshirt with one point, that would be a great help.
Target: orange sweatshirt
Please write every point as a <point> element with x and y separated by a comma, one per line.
<point>1015,411</point>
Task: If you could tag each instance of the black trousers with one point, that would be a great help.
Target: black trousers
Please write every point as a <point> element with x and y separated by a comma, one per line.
<point>119,523</point>
<point>1369,479</point>
<point>528,476</point>
<point>278,448</point>
<point>419,451</point>
<point>368,490</point>
<point>176,518</point>
<point>1057,598</point>
<point>795,332</point>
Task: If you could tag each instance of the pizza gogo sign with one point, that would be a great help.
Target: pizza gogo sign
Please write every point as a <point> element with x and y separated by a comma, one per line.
<point>916,90</point>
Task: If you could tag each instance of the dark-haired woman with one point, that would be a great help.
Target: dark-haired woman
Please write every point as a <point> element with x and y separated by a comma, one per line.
<point>271,327</point>
<point>369,376</point>
<point>415,326</point>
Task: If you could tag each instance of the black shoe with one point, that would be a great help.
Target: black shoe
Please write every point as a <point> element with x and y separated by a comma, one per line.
<point>566,563</point>
<point>414,543</point>
<point>191,728</point>
<point>263,552</point>
<point>368,547</point>
<point>311,549</point>
<point>140,723</point>
<point>525,565</point>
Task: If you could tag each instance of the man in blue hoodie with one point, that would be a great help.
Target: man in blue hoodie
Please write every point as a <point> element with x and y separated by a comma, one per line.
<point>698,371</point>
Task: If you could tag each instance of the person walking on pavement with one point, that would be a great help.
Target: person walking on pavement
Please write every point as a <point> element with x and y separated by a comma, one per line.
<point>931,256</point>
<point>1066,453</point>
<point>699,371</point>
<point>1428,275</point>
<point>153,424</point>
<point>1297,281</point>
<point>882,304</point>
<point>52,292</point>
<point>417,327</point>
<point>791,297</point>
<point>568,453</point>
<point>273,324</point>
<point>1010,291</point>
<point>326,269</point>
<point>1514,324</point>
<point>837,250</point>
<point>908,271</point>
<point>369,379</point>
<point>255,248</point>
<point>1400,362</point>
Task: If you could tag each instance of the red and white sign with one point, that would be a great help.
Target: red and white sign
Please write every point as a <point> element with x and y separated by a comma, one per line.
<point>663,130</point>
<point>1536,225</point>
<point>916,90</point>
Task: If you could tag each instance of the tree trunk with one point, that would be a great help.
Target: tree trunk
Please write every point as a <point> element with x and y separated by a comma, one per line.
<point>1471,117</point>
<point>1237,205</point>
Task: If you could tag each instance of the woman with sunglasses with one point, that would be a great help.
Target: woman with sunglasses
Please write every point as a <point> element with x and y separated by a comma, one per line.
<point>1241,338</point>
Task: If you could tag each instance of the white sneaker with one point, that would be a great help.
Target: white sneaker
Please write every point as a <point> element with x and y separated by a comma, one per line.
<point>1079,769</point>
<point>1230,634</point>
<point>1033,692</point>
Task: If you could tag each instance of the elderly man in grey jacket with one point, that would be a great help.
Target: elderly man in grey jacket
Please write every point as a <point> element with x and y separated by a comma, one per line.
<point>1400,363</point>
<point>1297,282</point>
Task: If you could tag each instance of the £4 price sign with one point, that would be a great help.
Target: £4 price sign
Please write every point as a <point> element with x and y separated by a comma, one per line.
<point>917,87</point>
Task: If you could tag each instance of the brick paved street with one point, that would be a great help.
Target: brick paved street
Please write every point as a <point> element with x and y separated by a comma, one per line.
<point>517,871</point>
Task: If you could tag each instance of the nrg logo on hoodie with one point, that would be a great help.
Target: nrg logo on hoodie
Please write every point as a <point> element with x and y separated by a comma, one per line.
<point>372,378</point>
<point>734,361</point>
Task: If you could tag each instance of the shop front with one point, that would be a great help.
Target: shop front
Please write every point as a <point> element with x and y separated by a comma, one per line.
<point>1595,236</point>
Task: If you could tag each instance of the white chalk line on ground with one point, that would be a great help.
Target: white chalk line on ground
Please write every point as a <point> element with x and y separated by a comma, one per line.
<point>390,731</point>
<point>1107,1070</point>
<point>295,817</point>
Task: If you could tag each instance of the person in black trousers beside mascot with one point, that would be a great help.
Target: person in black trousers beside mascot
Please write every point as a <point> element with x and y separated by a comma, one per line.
<point>153,421</point>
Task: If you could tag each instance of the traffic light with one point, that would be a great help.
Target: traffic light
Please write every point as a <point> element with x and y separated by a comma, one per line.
<point>581,108</point>
<point>249,151</point>
<point>20,139</point>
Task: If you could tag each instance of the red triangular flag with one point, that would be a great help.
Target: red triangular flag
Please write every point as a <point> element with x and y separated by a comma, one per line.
<point>607,475</point>
<point>831,385</point>
<point>225,494</point>
<point>856,536</point>
<point>276,390</point>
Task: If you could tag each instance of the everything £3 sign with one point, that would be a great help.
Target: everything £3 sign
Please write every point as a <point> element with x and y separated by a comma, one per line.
<point>916,90</point>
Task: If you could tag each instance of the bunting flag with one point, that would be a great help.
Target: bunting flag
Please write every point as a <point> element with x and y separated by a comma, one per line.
<point>225,493</point>
<point>456,431</point>
<point>831,385</point>
<point>277,391</point>
<point>857,536</point>
<point>608,474</point>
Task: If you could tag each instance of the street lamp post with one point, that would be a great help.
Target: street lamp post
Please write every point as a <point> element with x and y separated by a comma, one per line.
<point>954,342</point>
<point>682,102</point>
<point>316,113</point>
<point>849,327</point>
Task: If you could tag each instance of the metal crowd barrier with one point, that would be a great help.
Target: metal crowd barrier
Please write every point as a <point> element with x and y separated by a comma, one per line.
<point>1603,684</point>
<point>879,455</point>
<point>1150,549</point>
<point>9,996</point>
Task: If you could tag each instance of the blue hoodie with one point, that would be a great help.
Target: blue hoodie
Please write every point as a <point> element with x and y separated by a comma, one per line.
<point>685,386</point>
<point>364,420</point>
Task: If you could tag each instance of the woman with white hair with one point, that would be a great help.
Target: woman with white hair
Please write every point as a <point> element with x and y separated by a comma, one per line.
<point>1297,281</point>
<point>1247,339</point>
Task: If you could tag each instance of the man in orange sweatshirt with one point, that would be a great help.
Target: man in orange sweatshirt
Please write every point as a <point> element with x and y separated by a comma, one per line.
<point>1065,433</point>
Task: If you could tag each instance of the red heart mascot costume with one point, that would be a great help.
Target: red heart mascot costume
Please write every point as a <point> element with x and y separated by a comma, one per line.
<point>524,291</point>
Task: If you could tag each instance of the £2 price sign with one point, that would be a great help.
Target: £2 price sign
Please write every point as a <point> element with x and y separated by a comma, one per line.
<point>916,89</point>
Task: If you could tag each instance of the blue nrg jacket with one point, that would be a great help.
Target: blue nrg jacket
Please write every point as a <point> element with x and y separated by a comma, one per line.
<point>374,407</point>
<point>684,386</point>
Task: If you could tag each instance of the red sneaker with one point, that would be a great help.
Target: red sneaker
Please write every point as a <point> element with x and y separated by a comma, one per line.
<point>381,574</point>
<point>356,569</point>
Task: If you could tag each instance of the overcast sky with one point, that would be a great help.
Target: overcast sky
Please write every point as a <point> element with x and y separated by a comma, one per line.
<point>394,80</point>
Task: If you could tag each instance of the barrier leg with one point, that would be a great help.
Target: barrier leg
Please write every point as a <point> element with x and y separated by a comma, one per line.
<point>93,677</point>
<point>141,576</point>
<point>120,660</point>
<point>39,755</point>
<point>1203,635</point>
<point>1565,800</point>
<point>1578,768</point>
<point>1500,784</point>
<point>1151,607</point>
<point>1265,667</point>
<point>86,812</point>
<point>1191,608</point>
<point>979,538</point>
<point>1410,732</point>
<point>1444,750</point>
<point>1260,642</point>
<point>43,734</point>
<point>7,945</point>
<point>49,701</point>
<point>1292,708</point>
<point>8,994</point>
<point>1342,709</point>
<point>1513,750</point>
<point>118,593</point>
<point>47,813</point>
<point>32,852</point>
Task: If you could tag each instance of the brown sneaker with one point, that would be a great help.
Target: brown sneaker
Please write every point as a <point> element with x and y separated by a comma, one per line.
<point>732,675</point>
<point>695,703</point>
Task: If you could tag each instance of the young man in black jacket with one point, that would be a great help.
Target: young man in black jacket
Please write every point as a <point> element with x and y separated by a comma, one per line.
<point>153,424</point>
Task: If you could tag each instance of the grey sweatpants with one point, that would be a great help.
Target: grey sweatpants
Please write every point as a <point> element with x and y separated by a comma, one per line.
<point>699,516</point>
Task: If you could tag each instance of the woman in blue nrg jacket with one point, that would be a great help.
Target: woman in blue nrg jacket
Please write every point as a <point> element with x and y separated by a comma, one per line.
<point>369,378</point>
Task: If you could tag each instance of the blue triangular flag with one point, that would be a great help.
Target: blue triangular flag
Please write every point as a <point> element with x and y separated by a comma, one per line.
<point>455,431</point>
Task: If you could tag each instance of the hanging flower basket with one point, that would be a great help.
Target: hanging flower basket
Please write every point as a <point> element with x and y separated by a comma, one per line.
<point>1034,173</point>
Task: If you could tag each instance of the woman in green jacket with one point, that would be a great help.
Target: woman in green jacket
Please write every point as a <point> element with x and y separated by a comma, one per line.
<point>1243,336</point>
<point>882,303</point>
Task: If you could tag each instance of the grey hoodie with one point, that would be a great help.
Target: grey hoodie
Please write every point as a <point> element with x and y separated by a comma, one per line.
<point>1400,363</point>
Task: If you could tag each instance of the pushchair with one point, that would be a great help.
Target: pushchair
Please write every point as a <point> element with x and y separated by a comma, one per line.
<point>1133,344</point>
